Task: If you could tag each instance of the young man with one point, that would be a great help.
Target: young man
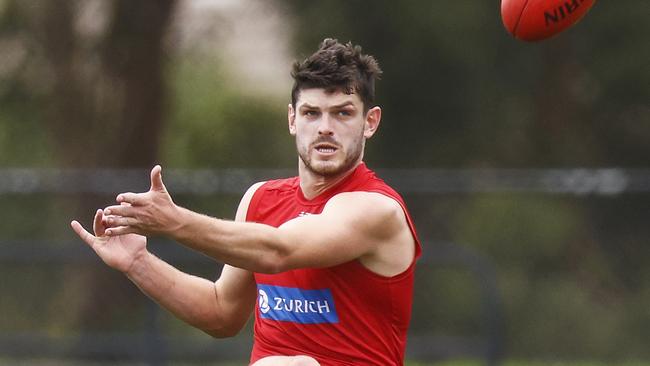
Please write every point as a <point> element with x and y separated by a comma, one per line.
<point>325,259</point>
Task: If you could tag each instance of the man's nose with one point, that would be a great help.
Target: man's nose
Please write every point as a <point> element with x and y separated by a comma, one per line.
<point>325,127</point>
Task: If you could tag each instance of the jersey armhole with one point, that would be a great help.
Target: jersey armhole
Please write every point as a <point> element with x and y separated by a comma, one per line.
<point>251,212</point>
<point>409,222</point>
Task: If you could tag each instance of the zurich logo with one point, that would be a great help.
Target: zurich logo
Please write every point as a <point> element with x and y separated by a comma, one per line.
<point>296,305</point>
<point>264,302</point>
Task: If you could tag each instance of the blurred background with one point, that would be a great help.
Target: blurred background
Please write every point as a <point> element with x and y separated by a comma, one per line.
<point>526,167</point>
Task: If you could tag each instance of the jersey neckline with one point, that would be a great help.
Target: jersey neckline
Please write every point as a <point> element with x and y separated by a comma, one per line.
<point>339,187</point>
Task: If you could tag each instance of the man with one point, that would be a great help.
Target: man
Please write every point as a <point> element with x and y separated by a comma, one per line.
<point>325,260</point>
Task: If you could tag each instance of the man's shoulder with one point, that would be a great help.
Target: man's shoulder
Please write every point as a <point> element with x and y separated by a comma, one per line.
<point>282,184</point>
<point>365,201</point>
<point>273,191</point>
<point>374,183</point>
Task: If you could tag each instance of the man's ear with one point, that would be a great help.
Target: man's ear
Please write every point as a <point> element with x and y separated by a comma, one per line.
<point>291,116</point>
<point>373,117</point>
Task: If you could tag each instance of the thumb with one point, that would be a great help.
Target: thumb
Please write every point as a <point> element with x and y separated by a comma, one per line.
<point>156,179</point>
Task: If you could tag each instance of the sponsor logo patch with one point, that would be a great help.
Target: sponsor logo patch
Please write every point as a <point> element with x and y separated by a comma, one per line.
<point>296,305</point>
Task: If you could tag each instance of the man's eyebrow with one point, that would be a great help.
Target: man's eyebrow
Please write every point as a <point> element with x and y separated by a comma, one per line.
<point>336,106</point>
<point>343,105</point>
<point>308,106</point>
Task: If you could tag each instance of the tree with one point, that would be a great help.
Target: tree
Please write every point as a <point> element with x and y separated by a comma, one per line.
<point>93,71</point>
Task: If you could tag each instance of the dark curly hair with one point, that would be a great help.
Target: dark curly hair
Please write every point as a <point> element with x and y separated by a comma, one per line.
<point>337,67</point>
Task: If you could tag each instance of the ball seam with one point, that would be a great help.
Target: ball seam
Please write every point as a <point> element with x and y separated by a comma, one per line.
<point>523,9</point>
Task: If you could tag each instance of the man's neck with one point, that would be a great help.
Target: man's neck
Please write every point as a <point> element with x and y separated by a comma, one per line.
<point>313,184</point>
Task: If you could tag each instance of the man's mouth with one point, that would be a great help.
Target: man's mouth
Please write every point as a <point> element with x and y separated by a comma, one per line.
<point>325,148</point>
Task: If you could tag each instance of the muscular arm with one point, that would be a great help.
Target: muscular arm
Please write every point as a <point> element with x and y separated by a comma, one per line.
<point>218,308</point>
<point>353,225</point>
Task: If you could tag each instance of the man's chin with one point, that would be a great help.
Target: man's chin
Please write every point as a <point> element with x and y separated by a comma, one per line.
<point>330,168</point>
<point>326,169</point>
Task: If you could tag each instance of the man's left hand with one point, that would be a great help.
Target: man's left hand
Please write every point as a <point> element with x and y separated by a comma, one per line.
<point>148,213</point>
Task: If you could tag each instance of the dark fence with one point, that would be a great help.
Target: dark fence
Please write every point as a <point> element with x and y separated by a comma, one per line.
<point>153,342</point>
<point>150,344</point>
<point>606,182</point>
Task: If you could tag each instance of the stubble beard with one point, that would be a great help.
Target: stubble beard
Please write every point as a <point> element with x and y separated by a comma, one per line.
<point>330,169</point>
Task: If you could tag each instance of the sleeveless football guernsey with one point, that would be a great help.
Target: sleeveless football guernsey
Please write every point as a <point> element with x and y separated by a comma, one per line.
<point>342,315</point>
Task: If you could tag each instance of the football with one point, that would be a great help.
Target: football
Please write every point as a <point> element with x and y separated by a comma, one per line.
<point>535,20</point>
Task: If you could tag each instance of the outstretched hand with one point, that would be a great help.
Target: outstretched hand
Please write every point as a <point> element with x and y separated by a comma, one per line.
<point>119,252</point>
<point>148,213</point>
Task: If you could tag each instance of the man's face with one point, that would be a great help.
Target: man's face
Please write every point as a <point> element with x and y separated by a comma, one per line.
<point>330,130</point>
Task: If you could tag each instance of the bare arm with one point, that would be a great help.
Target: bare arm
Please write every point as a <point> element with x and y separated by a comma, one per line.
<point>219,308</point>
<point>355,225</point>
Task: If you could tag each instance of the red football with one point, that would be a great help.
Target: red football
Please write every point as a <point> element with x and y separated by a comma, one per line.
<point>534,20</point>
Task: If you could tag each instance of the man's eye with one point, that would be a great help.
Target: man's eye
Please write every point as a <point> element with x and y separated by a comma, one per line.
<point>311,113</point>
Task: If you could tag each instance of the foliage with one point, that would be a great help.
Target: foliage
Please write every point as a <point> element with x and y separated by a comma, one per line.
<point>214,125</point>
<point>457,92</point>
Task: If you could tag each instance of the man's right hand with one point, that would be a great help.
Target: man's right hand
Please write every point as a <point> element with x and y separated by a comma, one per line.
<point>119,252</point>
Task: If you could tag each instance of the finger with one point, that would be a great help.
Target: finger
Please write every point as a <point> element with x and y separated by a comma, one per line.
<point>120,230</point>
<point>83,234</point>
<point>98,225</point>
<point>130,198</point>
<point>119,210</point>
<point>115,221</point>
<point>156,179</point>
<point>106,221</point>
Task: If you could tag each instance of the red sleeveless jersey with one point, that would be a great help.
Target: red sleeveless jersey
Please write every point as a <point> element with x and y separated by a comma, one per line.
<point>342,315</point>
